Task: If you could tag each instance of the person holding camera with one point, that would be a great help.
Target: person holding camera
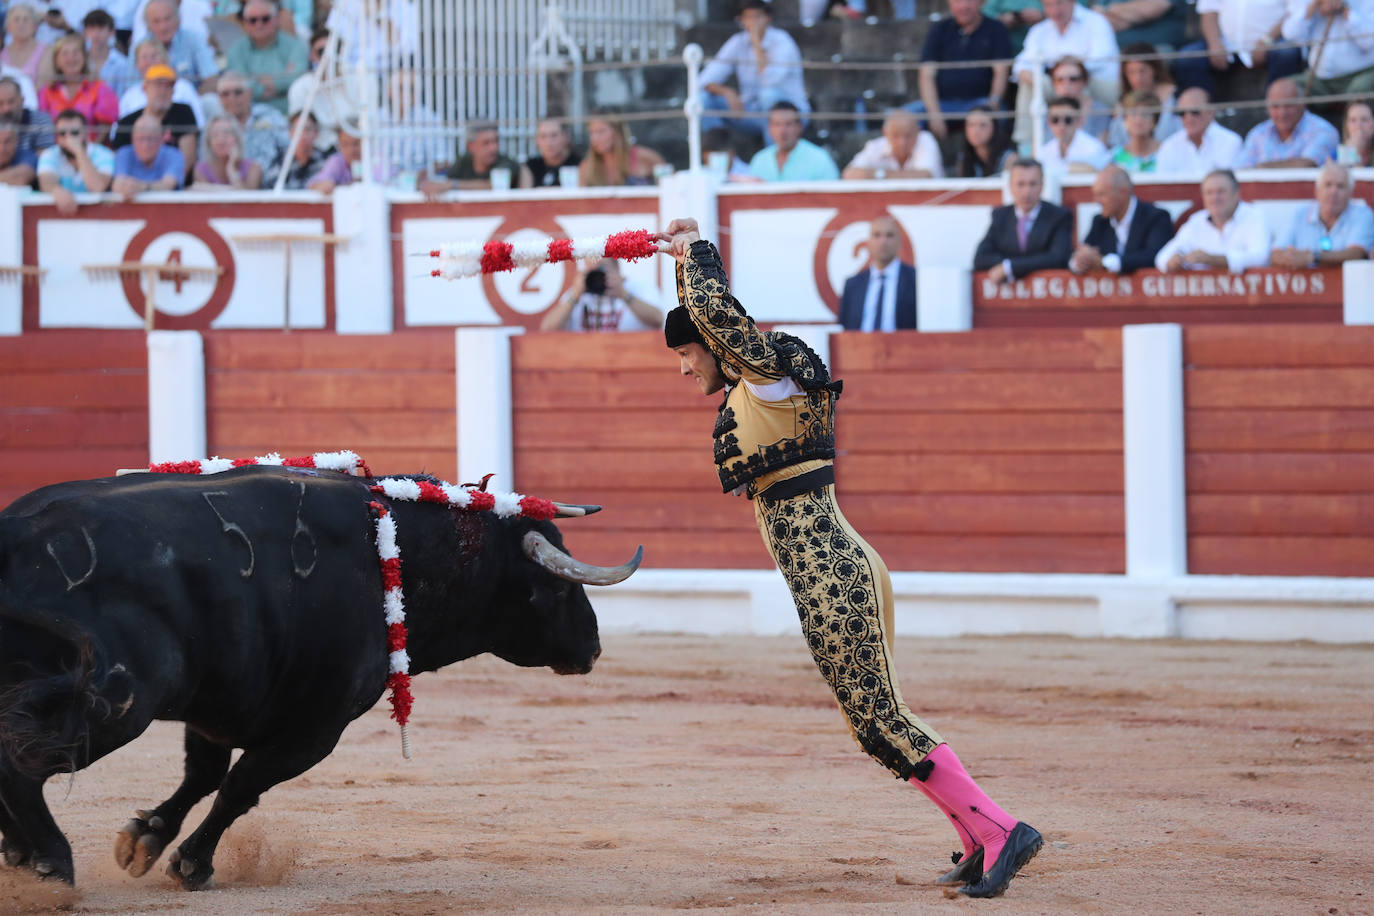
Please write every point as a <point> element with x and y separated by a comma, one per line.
<point>599,300</point>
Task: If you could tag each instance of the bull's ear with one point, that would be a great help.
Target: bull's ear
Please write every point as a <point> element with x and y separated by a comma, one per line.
<point>572,510</point>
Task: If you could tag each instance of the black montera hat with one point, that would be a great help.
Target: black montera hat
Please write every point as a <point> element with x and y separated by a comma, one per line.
<point>679,330</point>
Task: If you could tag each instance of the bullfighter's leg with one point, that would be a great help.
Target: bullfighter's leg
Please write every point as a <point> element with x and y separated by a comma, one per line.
<point>51,854</point>
<point>141,841</point>
<point>259,769</point>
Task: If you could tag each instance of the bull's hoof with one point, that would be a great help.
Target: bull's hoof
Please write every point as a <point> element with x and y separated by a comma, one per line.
<point>55,870</point>
<point>15,855</point>
<point>192,874</point>
<point>139,843</point>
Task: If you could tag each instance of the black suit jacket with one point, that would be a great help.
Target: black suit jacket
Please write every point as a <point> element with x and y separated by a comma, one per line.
<point>856,290</point>
<point>1048,244</point>
<point>1151,227</point>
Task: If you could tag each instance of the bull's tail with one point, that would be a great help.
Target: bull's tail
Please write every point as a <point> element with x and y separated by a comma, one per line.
<point>46,695</point>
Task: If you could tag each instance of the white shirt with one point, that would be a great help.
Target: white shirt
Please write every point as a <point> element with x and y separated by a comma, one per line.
<point>1084,147</point>
<point>1244,240</point>
<point>1123,231</point>
<point>782,75</point>
<point>877,154</point>
<point>1244,22</point>
<point>604,313</point>
<point>1089,37</point>
<point>1178,155</point>
<point>881,316</point>
<point>1349,45</point>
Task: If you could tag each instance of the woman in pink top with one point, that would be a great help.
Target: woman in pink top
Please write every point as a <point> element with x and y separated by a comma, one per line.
<point>22,51</point>
<point>222,165</point>
<point>67,84</point>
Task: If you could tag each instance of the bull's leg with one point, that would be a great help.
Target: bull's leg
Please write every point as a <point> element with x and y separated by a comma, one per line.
<point>142,840</point>
<point>259,769</point>
<point>14,843</point>
<point>49,852</point>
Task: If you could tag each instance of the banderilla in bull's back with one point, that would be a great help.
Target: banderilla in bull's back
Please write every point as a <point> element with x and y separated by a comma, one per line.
<point>168,596</point>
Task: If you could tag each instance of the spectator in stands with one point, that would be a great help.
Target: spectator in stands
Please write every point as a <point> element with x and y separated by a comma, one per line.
<point>71,85</point>
<point>1237,35</point>
<point>472,170</point>
<point>147,163</point>
<point>307,163</point>
<point>1067,30</point>
<point>16,165</point>
<point>178,123</point>
<point>105,62</point>
<point>555,150</point>
<point>193,15</point>
<point>1340,35</point>
<point>1161,23</point>
<point>1139,153</point>
<point>1358,148</point>
<point>964,35</point>
<point>188,52</point>
<point>223,164</point>
<point>985,146</point>
<point>270,57</point>
<point>1227,234</point>
<point>600,300</point>
<point>1148,75</point>
<point>265,130</point>
<point>1293,137</point>
<point>147,53</point>
<point>766,64</point>
<point>74,164</point>
<point>1203,145</point>
<point>883,296</point>
<point>903,151</point>
<point>1017,15</point>
<point>22,50</point>
<point>35,127</point>
<point>1027,235</point>
<point>716,141</point>
<point>1069,80</point>
<point>1331,229</point>
<point>1127,234</point>
<point>415,143</point>
<point>790,157</point>
<point>1070,149</point>
<point>345,164</point>
<point>336,99</point>
<point>613,159</point>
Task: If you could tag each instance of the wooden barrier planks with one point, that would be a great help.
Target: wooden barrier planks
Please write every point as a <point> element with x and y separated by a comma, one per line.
<point>390,398</point>
<point>74,405</point>
<point>1280,432</point>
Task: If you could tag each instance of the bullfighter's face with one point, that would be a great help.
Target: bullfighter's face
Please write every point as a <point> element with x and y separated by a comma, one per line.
<point>696,361</point>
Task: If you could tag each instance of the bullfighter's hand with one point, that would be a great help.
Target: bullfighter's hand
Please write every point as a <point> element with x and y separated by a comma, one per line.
<point>678,237</point>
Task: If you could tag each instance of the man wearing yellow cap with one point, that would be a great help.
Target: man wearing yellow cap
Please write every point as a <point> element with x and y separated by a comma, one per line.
<point>178,120</point>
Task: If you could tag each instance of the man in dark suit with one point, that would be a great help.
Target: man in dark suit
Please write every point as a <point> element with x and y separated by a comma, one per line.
<point>1127,234</point>
<point>1027,235</point>
<point>883,297</point>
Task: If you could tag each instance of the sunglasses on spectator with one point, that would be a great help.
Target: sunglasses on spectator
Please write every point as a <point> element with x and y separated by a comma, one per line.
<point>1189,112</point>
<point>1063,119</point>
<point>257,20</point>
<point>70,131</point>
<point>1070,77</point>
<point>234,91</point>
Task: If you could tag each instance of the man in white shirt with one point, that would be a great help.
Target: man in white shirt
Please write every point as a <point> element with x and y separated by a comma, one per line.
<point>1341,35</point>
<point>1237,35</point>
<point>883,297</point>
<point>903,151</point>
<point>1067,30</point>
<point>1070,149</point>
<point>1203,145</point>
<point>1227,234</point>
<point>766,64</point>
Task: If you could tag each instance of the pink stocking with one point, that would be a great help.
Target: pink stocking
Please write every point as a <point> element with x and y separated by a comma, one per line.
<point>963,802</point>
<point>970,842</point>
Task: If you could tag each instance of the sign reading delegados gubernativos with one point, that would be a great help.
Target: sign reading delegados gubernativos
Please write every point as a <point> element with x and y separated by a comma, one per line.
<point>1272,286</point>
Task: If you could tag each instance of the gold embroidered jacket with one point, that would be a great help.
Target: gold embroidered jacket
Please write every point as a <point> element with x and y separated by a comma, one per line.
<point>757,441</point>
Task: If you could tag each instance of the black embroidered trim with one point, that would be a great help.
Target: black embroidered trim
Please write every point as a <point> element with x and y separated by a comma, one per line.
<point>725,421</point>
<point>769,458</point>
<point>727,447</point>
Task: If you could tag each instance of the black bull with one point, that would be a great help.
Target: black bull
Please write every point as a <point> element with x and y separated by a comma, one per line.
<point>248,605</point>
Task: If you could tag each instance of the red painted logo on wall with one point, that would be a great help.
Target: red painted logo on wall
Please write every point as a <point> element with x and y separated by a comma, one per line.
<point>181,301</point>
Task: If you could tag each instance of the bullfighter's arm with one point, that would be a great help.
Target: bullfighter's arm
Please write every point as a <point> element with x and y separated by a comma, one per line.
<point>729,332</point>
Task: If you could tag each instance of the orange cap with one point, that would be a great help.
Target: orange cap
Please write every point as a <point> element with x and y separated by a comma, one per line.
<point>160,72</point>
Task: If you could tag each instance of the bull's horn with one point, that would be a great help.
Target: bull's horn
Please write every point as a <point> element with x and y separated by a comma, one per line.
<point>572,510</point>
<point>538,549</point>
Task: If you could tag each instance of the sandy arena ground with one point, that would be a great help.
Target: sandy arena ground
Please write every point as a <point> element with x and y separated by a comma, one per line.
<point>693,773</point>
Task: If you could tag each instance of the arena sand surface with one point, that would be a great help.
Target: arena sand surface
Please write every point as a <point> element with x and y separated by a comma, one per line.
<point>696,773</point>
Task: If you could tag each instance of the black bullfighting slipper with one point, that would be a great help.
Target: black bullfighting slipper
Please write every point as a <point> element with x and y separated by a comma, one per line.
<point>966,870</point>
<point>1022,845</point>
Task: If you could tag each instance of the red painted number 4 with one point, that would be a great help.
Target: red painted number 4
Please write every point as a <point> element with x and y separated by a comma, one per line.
<point>176,277</point>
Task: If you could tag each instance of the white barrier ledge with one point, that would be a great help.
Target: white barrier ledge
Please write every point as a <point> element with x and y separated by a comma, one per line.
<point>756,602</point>
<point>176,396</point>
